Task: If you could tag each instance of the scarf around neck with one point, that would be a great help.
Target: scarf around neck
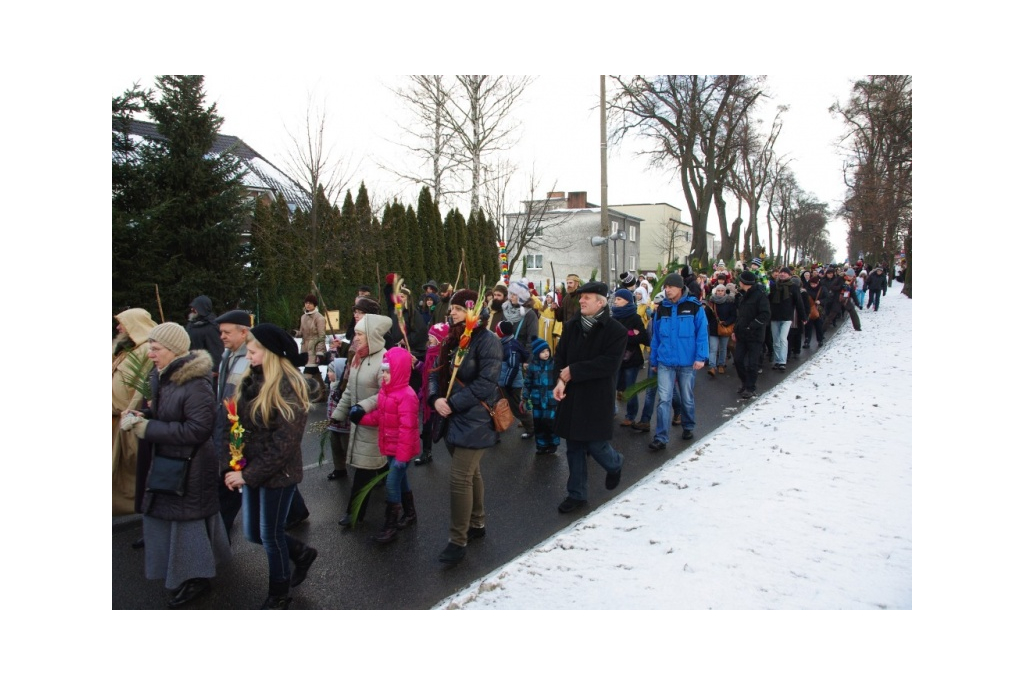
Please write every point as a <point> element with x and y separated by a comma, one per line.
<point>623,312</point>
<point>589,321</point>
<point>513,313</point>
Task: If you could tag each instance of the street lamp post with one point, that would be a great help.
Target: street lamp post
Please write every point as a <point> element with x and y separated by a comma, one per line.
<point>599,240</point>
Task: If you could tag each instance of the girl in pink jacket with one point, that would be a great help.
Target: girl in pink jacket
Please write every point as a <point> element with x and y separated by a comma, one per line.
<point>398,437</point>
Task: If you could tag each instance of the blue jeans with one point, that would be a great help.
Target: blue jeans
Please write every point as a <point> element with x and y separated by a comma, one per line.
<point>397,481</point>
<point>627,377</point>
<point>263,516</point>
<point>576,454</point>
<point>873,298</point>
<point>651,401</point>
<point>718,349</point>
<point>672,378</point>
<point>780,340</point>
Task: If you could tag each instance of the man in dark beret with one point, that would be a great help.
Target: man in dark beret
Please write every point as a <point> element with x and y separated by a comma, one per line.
<point>587,361</point>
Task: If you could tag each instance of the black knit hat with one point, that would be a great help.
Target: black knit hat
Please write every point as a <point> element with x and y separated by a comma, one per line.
<point>673,279</point>
<point>277,340</point>
<point>748,278</point>
<point>627,279</point>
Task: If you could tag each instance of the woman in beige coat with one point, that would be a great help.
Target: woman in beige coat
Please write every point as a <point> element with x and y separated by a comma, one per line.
<point>364,379</point>
<point>130,350</point>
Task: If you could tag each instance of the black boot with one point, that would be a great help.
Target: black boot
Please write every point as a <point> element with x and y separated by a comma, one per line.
<point>278,597</point>
<point>302,557</point>
<point>425,456</point>
<point>390,529</point>
<point>408,510</point>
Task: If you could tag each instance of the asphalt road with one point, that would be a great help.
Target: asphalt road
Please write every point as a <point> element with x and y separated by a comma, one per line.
<point>353,572</point>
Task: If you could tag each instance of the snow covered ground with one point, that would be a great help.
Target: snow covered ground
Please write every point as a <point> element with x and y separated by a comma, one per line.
<point>803,501</point>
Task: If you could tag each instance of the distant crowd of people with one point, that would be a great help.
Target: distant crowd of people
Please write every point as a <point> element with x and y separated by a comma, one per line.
<point>208,418</point>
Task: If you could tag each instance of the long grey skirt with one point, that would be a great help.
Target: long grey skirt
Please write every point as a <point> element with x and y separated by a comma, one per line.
<point>179,550</point>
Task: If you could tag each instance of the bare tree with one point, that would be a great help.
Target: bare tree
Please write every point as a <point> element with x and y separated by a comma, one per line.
<point>426,97</point>
<point>782,192</point>
<point>691,123</point>
<point>535,228</point>
<point>806,226</point>
<point>879,173</point>
<point>496,180</point>
<point>316,171</point>
<point>665,240</point>
<point>752,174</point>
<point>478,113</point>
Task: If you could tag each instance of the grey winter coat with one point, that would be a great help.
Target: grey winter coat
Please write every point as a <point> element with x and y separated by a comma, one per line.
<point>181,416</point>
<point>470,425</point>
<point>363,385</point>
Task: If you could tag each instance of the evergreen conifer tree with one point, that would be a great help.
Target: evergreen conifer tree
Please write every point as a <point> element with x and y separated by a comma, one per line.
<point>429,221</point>
<point>365,241</point>
<point>189,233</point>
<point>474,262</point>
<point>417,272</point>
<point>351,258</point>
<point>455,239</point>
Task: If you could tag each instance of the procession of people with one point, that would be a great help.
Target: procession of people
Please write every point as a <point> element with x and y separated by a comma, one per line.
<point>456,367</point>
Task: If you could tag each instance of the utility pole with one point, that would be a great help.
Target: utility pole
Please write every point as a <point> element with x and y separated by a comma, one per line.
<point>605,227</point>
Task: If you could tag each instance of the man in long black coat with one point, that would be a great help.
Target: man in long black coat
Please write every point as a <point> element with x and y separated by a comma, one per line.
<point>753,312</point>
<point>587,360</point>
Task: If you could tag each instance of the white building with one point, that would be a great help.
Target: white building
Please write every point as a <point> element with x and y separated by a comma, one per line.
<point>560,229</point>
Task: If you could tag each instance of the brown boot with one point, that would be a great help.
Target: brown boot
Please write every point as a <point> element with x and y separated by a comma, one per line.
<point>408,516</point>
<point>721,370</point>
<point>390,529</point>
<point>711,371</point>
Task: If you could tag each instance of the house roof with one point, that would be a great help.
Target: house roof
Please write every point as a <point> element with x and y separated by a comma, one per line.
<point>589,209</point>
<point>258,173</point>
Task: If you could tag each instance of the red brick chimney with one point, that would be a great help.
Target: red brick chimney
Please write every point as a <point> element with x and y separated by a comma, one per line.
<point>578,200</point>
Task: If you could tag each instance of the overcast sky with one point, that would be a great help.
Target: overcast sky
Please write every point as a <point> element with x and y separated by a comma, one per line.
<point>559,133</point>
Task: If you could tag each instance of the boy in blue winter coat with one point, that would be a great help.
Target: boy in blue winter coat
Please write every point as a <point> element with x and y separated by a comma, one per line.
<point>539,385</point>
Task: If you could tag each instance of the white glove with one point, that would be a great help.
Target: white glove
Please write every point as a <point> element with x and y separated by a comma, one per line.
<point>139,428</point>
<point>129,420</point>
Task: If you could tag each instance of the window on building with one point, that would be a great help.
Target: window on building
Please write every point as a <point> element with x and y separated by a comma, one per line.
<point>615,227</point>
<point>534,261</point>
<point>632,262</point>
<point>632,233</point>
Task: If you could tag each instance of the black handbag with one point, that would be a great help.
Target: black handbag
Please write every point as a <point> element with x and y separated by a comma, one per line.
<point>438,427</point>
<point>169,475</point>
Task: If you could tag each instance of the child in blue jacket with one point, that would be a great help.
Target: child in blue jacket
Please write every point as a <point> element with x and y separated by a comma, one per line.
<point>539,385</point>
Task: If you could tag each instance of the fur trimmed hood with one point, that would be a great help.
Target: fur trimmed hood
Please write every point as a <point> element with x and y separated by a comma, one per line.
<point>195,364</point>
